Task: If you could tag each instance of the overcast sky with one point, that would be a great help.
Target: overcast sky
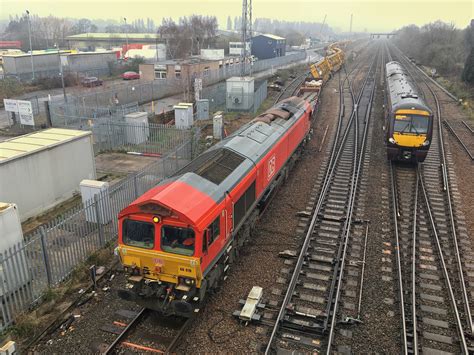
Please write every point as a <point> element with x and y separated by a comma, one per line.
<point>370,15</point>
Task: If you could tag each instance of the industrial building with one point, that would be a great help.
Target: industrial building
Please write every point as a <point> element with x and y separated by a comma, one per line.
<point>91,41</point>
<point>236,48</point>
<point>47,63</point>
<point>179,69</point>
<point>40,170</point>
<point>268,46</point>
<point>83,62</point>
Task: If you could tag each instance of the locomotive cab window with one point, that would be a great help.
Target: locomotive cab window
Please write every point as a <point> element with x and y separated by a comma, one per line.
<point>211,234</point>
<point>413,124</point>
<point>138,234</point>
<point>177,240</point>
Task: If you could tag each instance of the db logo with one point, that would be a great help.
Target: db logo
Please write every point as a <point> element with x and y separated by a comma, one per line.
<point>271,167</point>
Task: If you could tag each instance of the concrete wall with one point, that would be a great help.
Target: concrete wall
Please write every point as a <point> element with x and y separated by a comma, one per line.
<point>21,65</point>
<point>147,72</point>
<point>212,54</point>
<point>41,180</point>
<point>81,62</point>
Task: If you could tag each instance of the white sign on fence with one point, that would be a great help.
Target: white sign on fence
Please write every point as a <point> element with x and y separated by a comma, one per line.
<point>10,105</point>
<point>26,113</point>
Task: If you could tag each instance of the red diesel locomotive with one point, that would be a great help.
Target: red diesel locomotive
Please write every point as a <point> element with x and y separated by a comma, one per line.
<point>177,240</point>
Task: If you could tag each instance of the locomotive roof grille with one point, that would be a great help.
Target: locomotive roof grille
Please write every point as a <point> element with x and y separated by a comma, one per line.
<point>215,165</point>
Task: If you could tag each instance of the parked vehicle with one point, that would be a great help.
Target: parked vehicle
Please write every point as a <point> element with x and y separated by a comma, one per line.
<point>130,75</point>
<point>91,81</point>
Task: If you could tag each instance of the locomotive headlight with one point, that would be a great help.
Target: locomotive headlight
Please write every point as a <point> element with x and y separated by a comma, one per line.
<point>425,143</point>
<point>391,140</point>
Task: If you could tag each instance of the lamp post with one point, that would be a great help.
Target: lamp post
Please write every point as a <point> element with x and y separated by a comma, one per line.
<point>31,47</point>
<point>61,73</point>
<point>126,32</point>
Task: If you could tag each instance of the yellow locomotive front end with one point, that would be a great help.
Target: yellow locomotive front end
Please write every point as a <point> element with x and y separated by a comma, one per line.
<point>409,135</point>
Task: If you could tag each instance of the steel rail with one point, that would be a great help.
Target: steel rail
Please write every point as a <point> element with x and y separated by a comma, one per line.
<point>444,267</point>
<point>295,80</point>
<point>467,126</point>
<point>330,172</point>
<point>358,158</point>
<point>451,129</point>
<point>396,214</point>
<point>171,348</point>
<point>467,307</point>
<point>124,332</point>
<point>413,273</point>
<point>453,230</point>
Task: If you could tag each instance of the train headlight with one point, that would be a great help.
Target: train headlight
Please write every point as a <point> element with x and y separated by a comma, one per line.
<point>185,284</point>
<point>391,140</point>
<point>426,143</point>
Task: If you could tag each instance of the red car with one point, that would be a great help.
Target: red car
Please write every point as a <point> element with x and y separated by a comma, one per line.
<point>130,75</point>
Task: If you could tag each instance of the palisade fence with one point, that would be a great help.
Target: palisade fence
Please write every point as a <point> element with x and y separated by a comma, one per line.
<point>50,254</point>
<point>109,102</point>
<point>154,139</point>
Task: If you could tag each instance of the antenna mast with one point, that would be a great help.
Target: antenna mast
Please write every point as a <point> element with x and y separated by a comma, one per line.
<point>246,32</point>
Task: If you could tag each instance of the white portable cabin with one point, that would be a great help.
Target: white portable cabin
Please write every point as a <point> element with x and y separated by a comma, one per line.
<point>14,273</point>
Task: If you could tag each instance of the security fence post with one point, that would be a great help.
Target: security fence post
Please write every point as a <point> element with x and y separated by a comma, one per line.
<point>135,186</point>
<point>44,250</point>
<point>98,220</point>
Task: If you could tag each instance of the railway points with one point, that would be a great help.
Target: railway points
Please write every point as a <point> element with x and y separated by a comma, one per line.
<point>319,300</point>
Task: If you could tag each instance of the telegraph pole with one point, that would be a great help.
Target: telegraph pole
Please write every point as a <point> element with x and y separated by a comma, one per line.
<point>350,28</point>
<point>61,73</point>
<point>31,47</point>
<point>126,34</point>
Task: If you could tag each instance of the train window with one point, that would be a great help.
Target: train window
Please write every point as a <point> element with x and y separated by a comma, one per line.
<point>214,231</point>
<point>177,240</point>
<point>138,234</point>
<point>420,124</point>
<point>411,124</point>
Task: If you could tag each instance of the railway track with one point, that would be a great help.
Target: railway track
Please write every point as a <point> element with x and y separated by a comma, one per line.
<point>463,134</point>
<point>292,88</point>
<point>163,337</point>
<point>432,246</point>
<point>331,256</point>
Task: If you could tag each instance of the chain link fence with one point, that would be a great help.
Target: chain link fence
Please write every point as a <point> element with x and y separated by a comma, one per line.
<point>136,92</point>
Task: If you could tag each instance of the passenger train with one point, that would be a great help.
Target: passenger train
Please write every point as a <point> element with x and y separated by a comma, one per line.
<point>409,121</point>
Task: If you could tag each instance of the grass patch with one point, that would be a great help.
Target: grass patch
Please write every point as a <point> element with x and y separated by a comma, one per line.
<point>459,89</point>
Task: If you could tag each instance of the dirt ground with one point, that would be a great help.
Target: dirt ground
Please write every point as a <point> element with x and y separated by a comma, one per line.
<point>121,163</point>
